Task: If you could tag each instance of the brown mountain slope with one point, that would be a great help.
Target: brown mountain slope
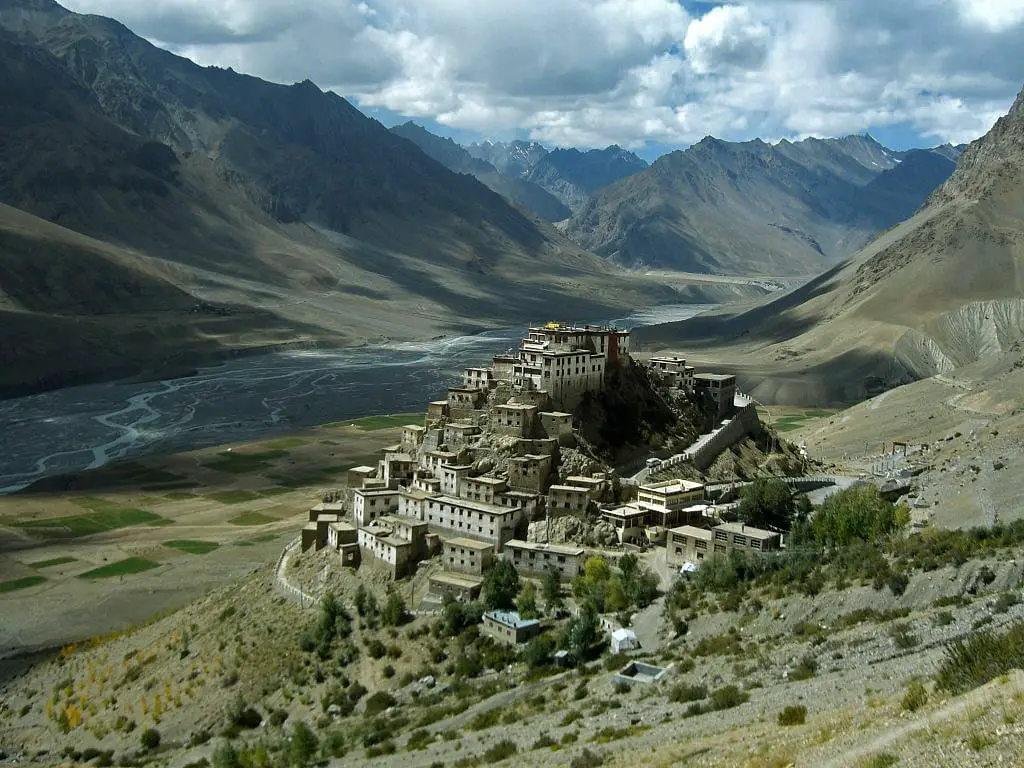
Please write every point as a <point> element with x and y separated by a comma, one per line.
<point>939,291</point>
<point>755,208</point>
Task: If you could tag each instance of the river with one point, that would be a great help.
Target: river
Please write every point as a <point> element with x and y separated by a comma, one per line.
<point>245,399</point>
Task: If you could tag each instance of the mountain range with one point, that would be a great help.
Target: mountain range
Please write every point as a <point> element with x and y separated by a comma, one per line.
<point>283,208</point>
<point>940,291</point>
<point>757,208</point>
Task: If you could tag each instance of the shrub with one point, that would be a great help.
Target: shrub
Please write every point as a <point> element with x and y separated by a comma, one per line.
<point>728,697</point>
<point>226,756</point>
<point>303,744</point>
<point>683,693</point>
<point>587,759</point>
<point>388,671</point>
<point>543,741</point>
<point>1005,602</point>
<point>500,751</point>
<point>242,716</point>
<point>571,717</point>
<point>805,669</point>
<point>376,649</point>
<point>379,702</point>
<point>150,739</point>
<point>973,662</point>
<point>915,697</point>
<point>943,619</point>
<point>581,692</point>
<point>384,748</point>
<point>902,637</point>
<point>882,760</point>
<point>419,739</point>
<point>898,582</point>
<point>793,715</point>
<point>334,743</point>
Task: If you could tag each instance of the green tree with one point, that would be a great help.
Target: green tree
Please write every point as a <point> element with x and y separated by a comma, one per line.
<point>303,746</point>
<point>526,603</point>
<point>767,504</point>
<point>500,587</point>
<point>591,586</point>
<point>395,613</point>
<point>582,633</point>
<point>551,589</point>
<point>226,756</point>
<point>858,513</point>
<point>615,596</point>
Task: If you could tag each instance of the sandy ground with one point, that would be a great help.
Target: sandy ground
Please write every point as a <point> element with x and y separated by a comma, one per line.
<point>66,608</point>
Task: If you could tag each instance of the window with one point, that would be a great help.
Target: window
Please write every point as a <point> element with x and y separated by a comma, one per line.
<point>721,536</point>
<point>719,548</point>
<point>739,541</point>
<point>679,550</point>
<point>755,544</point>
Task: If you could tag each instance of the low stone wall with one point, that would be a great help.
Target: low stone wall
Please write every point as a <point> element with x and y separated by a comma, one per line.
<point>744,423</point>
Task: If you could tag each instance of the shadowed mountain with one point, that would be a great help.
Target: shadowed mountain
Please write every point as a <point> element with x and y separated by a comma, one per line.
<point>573,176</point>
<point>755,208</point>
<point>313,222</point>
<point>520,191</point>
<point>514,158</point>
<point>939,291</point>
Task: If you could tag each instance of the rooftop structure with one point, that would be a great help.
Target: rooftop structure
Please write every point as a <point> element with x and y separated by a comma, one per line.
<point>509,626</point>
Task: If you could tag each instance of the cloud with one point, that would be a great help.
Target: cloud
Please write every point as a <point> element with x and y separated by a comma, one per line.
<point>595,72</point>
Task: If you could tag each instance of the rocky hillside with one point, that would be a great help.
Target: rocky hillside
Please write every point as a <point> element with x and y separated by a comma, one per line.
<point>573,176</point>
<point>940,291</point>
<point>756,208</point>
<point>514,158</point>
<point>520,191</point>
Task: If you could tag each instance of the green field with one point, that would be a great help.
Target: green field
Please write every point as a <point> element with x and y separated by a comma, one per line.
<point>373,423</point>
<point>233,497</point>
<point>192,546</point>
<point>23,583</point>
<point>274,490</point>
<point>794,421</point>
<point>236,463</point>
<point>51,563</point>
<point>120,568</point>
<point>286,443</point>
<point>252,518</point>
<point>107,517</point>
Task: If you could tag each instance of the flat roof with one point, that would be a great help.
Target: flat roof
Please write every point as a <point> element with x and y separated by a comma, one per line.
<point>746,530</point>
<point>438,402</point>
<point>457,579</point>
<point>671,486</point>
<point>487,480</point>
<point>585,480</point>
<point>375,492</point>
<point>364,470</point>
<point>479,506</point>
<point>329,506</point>
<point>510,619</point>
<point>693,532</point>
<point>558,549</point>
<point>715,376</point>
<point>568,488</point>
<point>394,541</point>
<point>559,414</point>
<point>417,427</point>
<point>515,406</point>
<point>624,512</point>
<point>532,457</point>
<point>461,541</point>
<point>402,457</point>
<point>331,517</point>
<point>668,359</point>
<point>456,468</point>
<point>340,526</point>
<point>461,426</point>
<point>415,494</point>
<point>441,453</point>
<point>396,520</point>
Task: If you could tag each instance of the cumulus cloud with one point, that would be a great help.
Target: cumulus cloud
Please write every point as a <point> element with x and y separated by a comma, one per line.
<point>594,72</point>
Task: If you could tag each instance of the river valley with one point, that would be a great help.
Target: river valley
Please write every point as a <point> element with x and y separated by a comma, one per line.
<point>245,399</point>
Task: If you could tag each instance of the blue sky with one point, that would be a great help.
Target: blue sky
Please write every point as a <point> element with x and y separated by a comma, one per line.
<point>650,75</point>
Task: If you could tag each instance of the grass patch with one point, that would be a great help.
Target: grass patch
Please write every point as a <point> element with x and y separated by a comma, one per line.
<point>286,443</point>
<point>244,543</point>
<point>51,563</point>
<point>23,583</point>
<point>184,485</point>
<point>192,546</point>
<point>106,517</point>
<point>124,567</point>
<point>264,538</point>
<point>235,463</point>
<point>251,518</point>
<point>374,423</point>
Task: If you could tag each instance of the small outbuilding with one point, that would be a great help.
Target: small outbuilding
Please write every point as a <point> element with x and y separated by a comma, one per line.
<point>624,640</point>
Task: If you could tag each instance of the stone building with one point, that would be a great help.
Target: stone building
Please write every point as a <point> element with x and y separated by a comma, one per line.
<point>467,556</point>
<point>473,519</point>
<point>509,627</point>
<point>533,559</point>
<point>567,500</point>
<point>529,472</point>
<point>630,523</point>
<point>460,586</point>
<point>486,489</point>
<point>514,419</point>
<point>369,504</point>
<point>718,392</point>
<point>690,544</point>
<point>667,503</point>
